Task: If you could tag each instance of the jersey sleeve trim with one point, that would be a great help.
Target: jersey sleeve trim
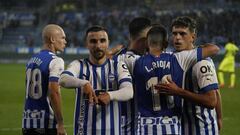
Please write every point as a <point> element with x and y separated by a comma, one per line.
<point>125,80</point>
<point>53,79</point>
<point>209,88</point>
<point>199,54</point>
<point>67,72</point>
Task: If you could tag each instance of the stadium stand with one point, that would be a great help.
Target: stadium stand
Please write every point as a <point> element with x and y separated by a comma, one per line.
<point>218,19</point>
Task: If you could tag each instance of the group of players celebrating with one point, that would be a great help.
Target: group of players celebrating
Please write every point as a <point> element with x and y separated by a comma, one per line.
<point>141,90</point>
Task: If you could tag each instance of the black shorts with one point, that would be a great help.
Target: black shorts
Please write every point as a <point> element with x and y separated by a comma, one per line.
<point>39,131</point>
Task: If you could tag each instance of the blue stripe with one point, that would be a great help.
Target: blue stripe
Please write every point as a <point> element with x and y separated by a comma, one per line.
<point>38,123</point>
<point>111,118</point>
<point>199,54</point>
<point>212,121</point>
<point>103,116</point>
<point>110,72</point>
<point>77,112</point>
<point>204,119</point>
<point>94,114</point>
<point>94,122</point>
<point>125,80</point>
<point>68,73</point>
<point>31,123</point>
<point>154,130</point>
<point>164,130</point>
<point>209,88</point>
<point>85,116</point>
<point>53,79</point>
<point>172,129</point>
<point>116,72</point>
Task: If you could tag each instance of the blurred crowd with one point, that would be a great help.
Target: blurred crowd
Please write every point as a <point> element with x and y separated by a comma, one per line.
<point>214,24</point>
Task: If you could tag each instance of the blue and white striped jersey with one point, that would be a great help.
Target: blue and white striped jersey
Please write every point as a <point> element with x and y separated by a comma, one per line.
<point>128,112</point>
<point>199,120</point>
<point>95,119</point>
<point>41,69</point>
<point>160,113</point>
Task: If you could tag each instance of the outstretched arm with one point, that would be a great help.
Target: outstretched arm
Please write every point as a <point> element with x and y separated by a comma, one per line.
<point>209,50</point>
<point>69,81</point>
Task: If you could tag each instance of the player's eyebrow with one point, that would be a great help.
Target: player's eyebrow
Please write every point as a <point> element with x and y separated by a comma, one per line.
<point>181,33</point>
<point>102,40</point>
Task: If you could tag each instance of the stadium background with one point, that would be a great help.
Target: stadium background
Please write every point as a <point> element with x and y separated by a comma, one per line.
<point>21,23</point>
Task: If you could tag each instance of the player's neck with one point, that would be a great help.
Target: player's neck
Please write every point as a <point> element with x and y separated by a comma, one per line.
<point>49,47</point>
<point>96,61</point>
<point>155,51</point>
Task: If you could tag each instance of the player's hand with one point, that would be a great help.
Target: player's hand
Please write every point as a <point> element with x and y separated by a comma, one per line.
<point>88,90</point>
<point>104,98</point>
<point>61,130</point>
<point>114,50</point>
<point>169,88</point>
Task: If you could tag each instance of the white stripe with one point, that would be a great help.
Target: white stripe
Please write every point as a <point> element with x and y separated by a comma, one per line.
<point>159,130</point>
<point>150,129</point>
<point>116,117</point>
<point>51,115</point>
<point>28,120</point>
<point>208,121</point>
<point>42,119</point>
<point>168,129</point>
<point>176,128</point>
<point>35,120</point>
<point>90,107</point>
<point>89,122</point>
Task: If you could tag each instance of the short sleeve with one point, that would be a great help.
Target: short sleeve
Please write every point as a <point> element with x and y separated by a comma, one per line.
<point>188,58</point>
<point>130,60</point>
<point>205,74</point>
<point>73,68</point>
<point>56,67</point>
<point>123,73</point>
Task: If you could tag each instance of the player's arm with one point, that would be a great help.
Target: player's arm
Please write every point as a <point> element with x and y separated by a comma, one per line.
<point>209,50</point>
<point>68,79</point>
<point>219,110</point>
<point>207,99</point>
<point>56,67</point>
<point>205,74</point>
<point>114,50</point>
<point>125,91</point>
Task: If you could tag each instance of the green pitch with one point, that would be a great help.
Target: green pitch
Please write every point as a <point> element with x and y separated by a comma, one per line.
<point>12,93</point>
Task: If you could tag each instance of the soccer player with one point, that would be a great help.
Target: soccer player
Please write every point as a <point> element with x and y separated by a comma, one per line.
<point>200,91</point>
<point>105,78</point>
<point>138,28</point>
<point>160,113</point>
<point>42,112</point>
<point>228,64</point>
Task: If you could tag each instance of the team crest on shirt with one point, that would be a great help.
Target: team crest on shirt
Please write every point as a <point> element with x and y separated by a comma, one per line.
<point>111,77</point>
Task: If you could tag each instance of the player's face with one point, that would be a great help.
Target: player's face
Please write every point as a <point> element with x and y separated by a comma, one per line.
<point>142,41</point>
<point>59,40</point>
<point>182,38</point>
<point>97,43</point>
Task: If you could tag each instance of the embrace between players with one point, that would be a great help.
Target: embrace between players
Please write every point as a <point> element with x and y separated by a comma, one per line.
<point>141,90</point>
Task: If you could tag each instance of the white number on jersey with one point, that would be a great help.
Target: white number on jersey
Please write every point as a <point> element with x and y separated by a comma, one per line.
<point>34,81</point>
<point>155,95</point>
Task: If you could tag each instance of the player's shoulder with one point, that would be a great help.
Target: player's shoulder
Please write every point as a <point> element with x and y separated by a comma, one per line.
<point>207,62</point>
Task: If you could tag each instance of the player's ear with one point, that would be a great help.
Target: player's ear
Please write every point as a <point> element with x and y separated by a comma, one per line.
<point>194,35</point>
<point>52,39</point>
